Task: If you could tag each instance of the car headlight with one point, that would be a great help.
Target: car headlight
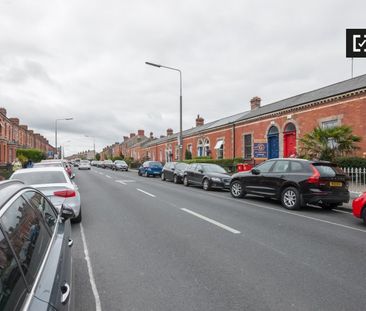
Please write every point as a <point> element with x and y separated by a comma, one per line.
<point>216,179</point>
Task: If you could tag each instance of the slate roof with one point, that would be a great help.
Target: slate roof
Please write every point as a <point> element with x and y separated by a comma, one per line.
<point>324,92</point>
<point>321,93</point>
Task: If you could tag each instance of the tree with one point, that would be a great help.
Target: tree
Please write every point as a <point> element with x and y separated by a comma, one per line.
<point>188,155</point>
<point>329,143</point>
<point>97,156</point>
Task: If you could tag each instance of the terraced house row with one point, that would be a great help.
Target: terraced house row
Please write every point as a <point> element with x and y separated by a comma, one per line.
<point>263,132</point>
<point>15,136</point>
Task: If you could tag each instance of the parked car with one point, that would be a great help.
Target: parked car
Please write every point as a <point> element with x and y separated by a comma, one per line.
<point>35,251</point>
<point>206,175</point>
<point>150,168</point>
<point>55,163</point>
<point>174,171</point>
<point>107,164</point>
<point>295,182</point>
<point>77,162</point>
<point>359,207</point>
<point>84,165</point>
<point>120,165</point>
<point>54,183</point>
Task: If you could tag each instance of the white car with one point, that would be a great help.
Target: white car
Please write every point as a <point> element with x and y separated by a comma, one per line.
<point>84,165</point>
<point>54,183</point>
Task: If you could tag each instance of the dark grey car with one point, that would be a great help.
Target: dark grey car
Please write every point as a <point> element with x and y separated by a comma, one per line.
<point>35,251</point>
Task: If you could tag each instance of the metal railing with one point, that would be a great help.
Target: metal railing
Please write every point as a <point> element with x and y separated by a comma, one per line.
<point>357,176</point>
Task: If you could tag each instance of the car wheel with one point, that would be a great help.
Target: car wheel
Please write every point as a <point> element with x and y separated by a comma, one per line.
<point>290,198</point>
<point>185,181</point>
<point>175,179</point>
<point>206,184</point>
<point>237,189</point>
<point>364,215</point>
<point>77,219</point>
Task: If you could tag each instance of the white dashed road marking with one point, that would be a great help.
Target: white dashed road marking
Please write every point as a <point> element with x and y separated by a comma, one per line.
<point>211,221</point>
<point>147,193</point>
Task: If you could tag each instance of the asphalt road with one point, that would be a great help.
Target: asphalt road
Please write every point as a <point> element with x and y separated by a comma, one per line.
<point>155,245</point>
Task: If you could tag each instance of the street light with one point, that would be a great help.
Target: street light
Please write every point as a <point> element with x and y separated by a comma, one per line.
<point>93,143</point>
<point>180,141</point>
<point>63,119</point>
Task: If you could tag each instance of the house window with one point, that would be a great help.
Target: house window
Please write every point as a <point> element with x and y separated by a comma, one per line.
<point>207,150</point>
<point>219,147</point>
<point>330,123</point>
<point>176,153</point>
<point>248,146</point>
<point>200,148</point>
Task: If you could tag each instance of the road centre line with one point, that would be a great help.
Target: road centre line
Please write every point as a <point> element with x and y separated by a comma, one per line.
<point>211,221</point>
<point>147,193</point>
<point>121,182</point>
<point>108,176</point>
<point>98,306</point>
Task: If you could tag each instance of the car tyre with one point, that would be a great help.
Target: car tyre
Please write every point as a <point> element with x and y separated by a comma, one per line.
<point>185,181</point>
<point>364,215</point>
<point>206,184</point>
<point>237,189</point>
<point>290,198</point>
<point>77,220</point>
<point>175,179</point>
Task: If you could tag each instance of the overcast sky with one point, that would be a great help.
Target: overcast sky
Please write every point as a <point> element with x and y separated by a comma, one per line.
<point>86,60</point>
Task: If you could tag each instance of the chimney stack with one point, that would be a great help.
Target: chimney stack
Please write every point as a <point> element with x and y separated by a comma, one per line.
<point>169,132</point>
<point>125,138</point>
<point>141,133</point>
<point>151,135</point>
<point>255,103</point>
<point>3,111</point>
<point>132,135</point>
<point>200,121</point>
<point>14,121</point>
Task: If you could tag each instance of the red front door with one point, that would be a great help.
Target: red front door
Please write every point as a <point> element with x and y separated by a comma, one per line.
<point>289,141</point>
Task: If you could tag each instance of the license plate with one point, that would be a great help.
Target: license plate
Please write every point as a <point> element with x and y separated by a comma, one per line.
<point>335,184</point>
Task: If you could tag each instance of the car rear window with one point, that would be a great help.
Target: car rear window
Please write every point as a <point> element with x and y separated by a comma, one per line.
<point>47,165</point>
<point>328,170</point>
<point>155,164</point>
<point>36,178</point>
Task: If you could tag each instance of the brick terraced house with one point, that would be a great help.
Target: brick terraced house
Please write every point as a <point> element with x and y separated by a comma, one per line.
<point>15,136</point>
<point>267,131</point>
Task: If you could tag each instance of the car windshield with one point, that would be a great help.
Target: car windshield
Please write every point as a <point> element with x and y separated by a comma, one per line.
<point>155,164</point>
<point>45,177</point>
<point>120,162</point>
<point>328,170</point>
<point>181,166</point>
<point>213,168</point>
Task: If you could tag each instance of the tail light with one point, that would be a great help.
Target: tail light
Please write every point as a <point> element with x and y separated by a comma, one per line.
<point>65,193</point>
<point>314,179</point>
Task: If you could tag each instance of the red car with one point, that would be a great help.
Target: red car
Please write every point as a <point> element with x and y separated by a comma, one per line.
<point>359,207</point>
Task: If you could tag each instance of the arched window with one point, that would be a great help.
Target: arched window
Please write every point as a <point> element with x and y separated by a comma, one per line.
<point>290,127</point>
<point>206,150</point>
<point>200,148</point>
<point>169,153</point>
<point>273,130</point>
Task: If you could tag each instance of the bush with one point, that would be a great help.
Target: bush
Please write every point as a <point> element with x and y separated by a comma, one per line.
<point>188,155</point>
<point>30,154</point>
<point>355,162</point>
<point>227,164</point>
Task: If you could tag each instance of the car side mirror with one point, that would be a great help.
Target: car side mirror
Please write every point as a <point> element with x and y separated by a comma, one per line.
<point>200,171</point>
<point>256,171</point>
<point>66,213</point>
<point>173,169</point>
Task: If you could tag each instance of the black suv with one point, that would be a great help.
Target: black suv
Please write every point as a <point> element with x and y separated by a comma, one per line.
<point>35,251</point>
<point>174,171</point>
<point>295,182</point>
<point>206,175</point>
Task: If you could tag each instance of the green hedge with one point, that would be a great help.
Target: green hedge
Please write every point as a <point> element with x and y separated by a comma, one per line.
<point>228,164</point>
<point>355,162</point>
<point>31,154</point>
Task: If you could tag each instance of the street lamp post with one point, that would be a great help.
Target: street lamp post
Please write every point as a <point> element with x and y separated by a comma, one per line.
<point>93,143</point>
<point>63,119</point>
<point>180,140</point>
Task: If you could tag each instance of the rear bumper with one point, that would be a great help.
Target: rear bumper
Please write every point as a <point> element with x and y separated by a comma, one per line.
<point>326,197</point>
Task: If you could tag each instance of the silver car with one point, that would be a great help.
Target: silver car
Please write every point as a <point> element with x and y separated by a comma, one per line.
<point>84,165</point>
<point>54,183</point>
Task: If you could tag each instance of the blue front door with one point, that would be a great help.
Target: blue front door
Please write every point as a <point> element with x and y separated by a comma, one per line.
<point>273,146</point>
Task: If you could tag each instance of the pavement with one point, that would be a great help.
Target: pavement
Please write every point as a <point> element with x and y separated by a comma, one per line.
<point>154,245</point>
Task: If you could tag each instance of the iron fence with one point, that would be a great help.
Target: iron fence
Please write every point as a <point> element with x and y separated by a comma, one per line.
<point>357,176</point>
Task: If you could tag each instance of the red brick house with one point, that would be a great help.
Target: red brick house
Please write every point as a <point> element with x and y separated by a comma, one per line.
<point>269,131</point>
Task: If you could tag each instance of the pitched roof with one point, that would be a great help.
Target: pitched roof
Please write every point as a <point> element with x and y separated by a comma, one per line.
<point>324,92</point>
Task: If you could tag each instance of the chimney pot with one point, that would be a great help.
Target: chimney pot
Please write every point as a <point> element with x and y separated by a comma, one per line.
<point>132,135</point>
<point>255,103</point>
<point>141,133</point>
<point>151,135</point>
<point>200,121</point>
<point>169,132</point>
